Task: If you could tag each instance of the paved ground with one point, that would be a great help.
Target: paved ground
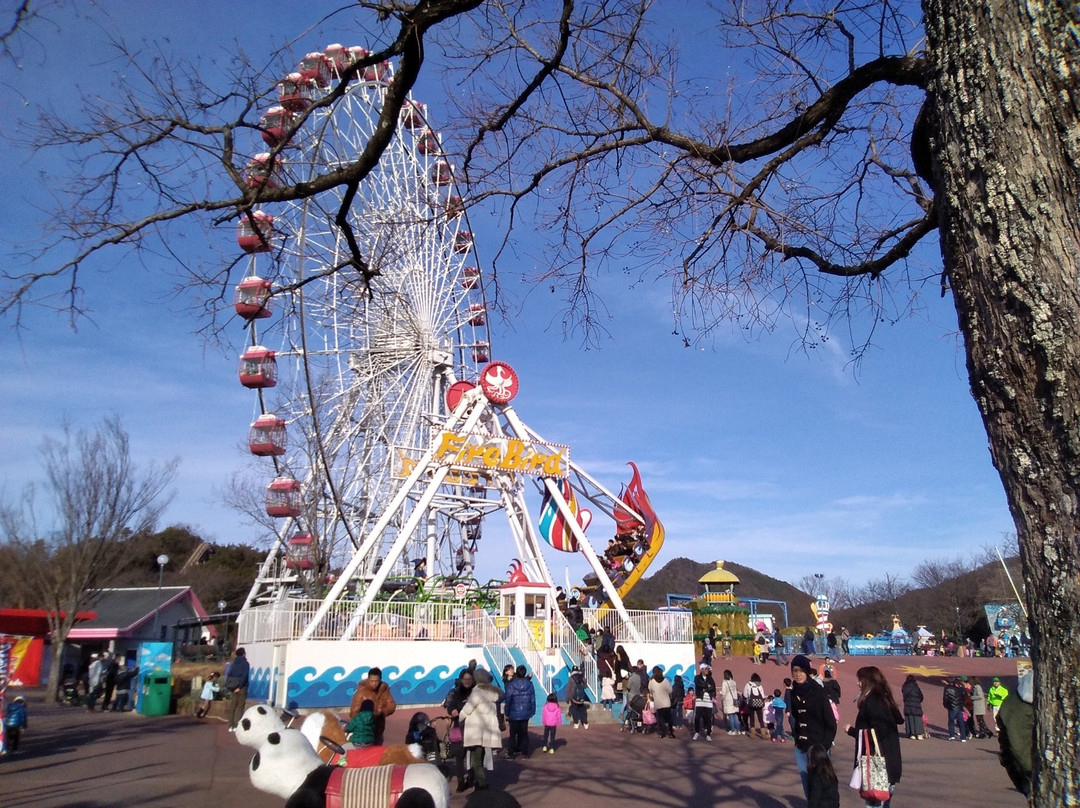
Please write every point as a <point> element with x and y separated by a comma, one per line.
<point>76,759</point>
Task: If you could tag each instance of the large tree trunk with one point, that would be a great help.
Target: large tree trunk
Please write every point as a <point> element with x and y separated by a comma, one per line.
<point>1005,86</point>
<point>53,686</point>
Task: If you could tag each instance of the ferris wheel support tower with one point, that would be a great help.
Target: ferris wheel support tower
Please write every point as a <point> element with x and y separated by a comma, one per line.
<point>473,410</point>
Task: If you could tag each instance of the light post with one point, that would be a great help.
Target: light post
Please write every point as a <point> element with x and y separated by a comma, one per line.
<point>223,640</point>
<point>959,631</point>
<point>162,560</point>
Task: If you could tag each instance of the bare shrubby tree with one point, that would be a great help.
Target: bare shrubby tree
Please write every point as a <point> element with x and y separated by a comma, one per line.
<point>784,190</point>
<point>657,178</point>
<point>836,589</point>
<point>12,22</point>
<point>888,589</point>
<point>937,572</point>
<point>74,545</point>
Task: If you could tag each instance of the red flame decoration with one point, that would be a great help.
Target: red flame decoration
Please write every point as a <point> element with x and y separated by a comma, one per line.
<point>517,573</point>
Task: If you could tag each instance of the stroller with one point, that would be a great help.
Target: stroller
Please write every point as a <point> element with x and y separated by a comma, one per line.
<point>69,691</point>
<point>633,720</point>
<point>422,732</point>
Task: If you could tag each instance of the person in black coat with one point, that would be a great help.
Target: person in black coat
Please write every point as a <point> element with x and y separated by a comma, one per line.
<point>913,712</point>
<point>704,690</point>
<point>878,712</point>
<point>814,721</point>
<point>453,703</point>
<point>824,788</point>
<point>678,694</point>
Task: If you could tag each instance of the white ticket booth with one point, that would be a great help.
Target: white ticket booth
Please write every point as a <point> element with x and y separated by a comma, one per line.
<point>532,603</point>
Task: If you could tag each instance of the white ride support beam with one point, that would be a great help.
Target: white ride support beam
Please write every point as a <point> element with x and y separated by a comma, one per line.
<point>525,533</point>
<point>268,563</point>
<point>418,514</point>
<point>475,405</point>
<point>583,542</point>
<point>591,557</point>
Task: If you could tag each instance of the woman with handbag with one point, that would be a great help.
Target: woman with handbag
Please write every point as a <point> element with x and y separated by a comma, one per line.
<point>877,748</point>
<point>453,704</point>
<point>754,694</point>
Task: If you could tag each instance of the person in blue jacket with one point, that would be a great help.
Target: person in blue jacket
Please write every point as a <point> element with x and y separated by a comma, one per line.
<point>520,707</point>
<point>237,677</point>
<point>14,724</point>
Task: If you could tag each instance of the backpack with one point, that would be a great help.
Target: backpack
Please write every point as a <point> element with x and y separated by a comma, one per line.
<point>757,698</point>
<point>579,695</point>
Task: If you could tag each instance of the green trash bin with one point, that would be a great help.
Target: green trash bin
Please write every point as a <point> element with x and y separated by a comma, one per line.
<point>156,694</point>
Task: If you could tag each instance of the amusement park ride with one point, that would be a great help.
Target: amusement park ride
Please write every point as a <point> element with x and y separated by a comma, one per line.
<point>389,429</point>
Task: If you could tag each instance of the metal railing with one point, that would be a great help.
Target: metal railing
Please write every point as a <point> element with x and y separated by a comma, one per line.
<point>498,640</point>
<point>408,621</point>
<point>565,638</point>
<point>654,627</point>
<point>387,620</point>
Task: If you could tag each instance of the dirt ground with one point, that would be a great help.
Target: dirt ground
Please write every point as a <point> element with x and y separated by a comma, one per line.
<point>75,759</point>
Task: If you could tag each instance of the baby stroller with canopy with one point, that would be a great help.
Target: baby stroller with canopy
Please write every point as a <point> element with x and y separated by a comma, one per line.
<point>633,720</point>
<point>422,732</point>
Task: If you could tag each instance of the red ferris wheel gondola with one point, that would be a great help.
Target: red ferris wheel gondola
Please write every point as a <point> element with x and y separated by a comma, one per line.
<point>463,241</point>
<point>252,300</point>
<point>315,67</point>
<point>295,93</point>
<point>442,173</point>
<point>258,368</point>
<point>263,171</point>
<point>300,554</point>
<point>413,114</point>
<point>255,232</point>
<point>267,436</point>
<point>427,143</point>
<point>276,125</point>
<point>283,498</point>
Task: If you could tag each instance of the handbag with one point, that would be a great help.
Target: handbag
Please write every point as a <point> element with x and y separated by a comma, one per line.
<point>456,735</point>
<point>757,699</point>
<point>873,774</point>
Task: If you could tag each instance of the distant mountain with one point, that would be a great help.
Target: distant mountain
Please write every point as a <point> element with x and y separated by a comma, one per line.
<point>956,597</point>
<point>680,576</point>
<point>954,603</point>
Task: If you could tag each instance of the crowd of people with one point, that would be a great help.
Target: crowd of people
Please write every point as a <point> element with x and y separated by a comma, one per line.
<point>803,709</point>
<point>104,684</point>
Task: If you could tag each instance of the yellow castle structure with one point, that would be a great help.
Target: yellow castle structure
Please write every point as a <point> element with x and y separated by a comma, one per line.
<point>718,609</point>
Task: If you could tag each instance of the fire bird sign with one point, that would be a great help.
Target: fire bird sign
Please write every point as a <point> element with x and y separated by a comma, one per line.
<point>490,453</point>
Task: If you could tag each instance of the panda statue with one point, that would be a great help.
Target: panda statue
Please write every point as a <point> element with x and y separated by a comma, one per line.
<point>285,764</point>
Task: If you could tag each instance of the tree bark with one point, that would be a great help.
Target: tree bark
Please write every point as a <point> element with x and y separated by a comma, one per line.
<point>1004,84</point>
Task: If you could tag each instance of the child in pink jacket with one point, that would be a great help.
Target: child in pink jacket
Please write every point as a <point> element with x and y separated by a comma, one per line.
<point>550,717</point>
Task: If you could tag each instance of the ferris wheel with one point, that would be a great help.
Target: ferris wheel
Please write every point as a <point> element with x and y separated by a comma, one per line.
<point>352,364</point>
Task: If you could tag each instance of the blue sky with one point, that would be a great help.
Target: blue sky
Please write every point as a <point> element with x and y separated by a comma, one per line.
<point>751,450</point>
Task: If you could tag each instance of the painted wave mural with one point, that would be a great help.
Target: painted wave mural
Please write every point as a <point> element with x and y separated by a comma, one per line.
<point>334,687</point>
